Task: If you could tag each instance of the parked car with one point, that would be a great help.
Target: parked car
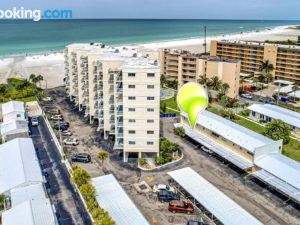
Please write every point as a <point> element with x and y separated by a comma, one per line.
<point>206,149</point>
<point>67,124</point>
<point>34,121</point>
<point>66,133</point>
<point>166,196</point>
<point>71,141</point>
<point>51,110</point>
<point>61,127</point>
<point>57,117</point>
<point>248,96</point>
<point>180,206</point>
<point>193,222</point>
<point>47,99</point>
<point>162,187</point>
<point>81,157</point>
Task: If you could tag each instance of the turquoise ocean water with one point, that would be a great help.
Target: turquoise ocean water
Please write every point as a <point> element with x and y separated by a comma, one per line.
<point>21,37</point>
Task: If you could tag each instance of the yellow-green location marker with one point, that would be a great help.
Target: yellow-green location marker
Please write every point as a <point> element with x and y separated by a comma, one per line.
<point>192,99</point>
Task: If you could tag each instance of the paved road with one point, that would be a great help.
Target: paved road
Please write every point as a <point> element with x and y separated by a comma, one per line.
<point>69,207</point>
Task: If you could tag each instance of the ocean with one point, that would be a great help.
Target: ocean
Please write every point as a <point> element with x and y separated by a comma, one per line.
<point>24,36</point>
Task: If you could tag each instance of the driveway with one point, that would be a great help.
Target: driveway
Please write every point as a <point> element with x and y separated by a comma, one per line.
<point>69,207</point>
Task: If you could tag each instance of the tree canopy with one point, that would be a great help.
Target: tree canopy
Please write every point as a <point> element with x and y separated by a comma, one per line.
<point>277,130</point>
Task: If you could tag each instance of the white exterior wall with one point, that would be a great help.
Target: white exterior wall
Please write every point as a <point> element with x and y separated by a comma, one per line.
<point>141,114</point>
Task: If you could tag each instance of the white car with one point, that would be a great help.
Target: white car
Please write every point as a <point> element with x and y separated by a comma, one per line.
<point>247,96</point>
<point>47,99</point>
<point>162,187</point>
<point>66,133</point>
<point>34,121</point>
<point>56,117</point>
<point>71,141</point>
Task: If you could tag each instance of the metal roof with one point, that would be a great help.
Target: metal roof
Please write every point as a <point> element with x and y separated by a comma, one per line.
<point>276,112</point>
<point>111,197</point>
<point>12,106</point>
<point>278,184</point>
<point>217,148</point>
<point>22,194</point>
<point>216,202</point>
<point>18,164</point>
<point>282,167</point>
<point>33,212</point>
<point>14,126</point>
<point>233,132</point>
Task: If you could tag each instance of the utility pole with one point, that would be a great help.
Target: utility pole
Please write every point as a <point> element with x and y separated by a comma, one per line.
<point>205,50</point>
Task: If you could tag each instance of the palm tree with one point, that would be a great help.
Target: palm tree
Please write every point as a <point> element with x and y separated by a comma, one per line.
<point>224,88</point>
<point>34,79</point>
<point>215,83</point>
<point>39,79</point>
<point>242,81</point>
<point>266,66</point>
<point>102,155</point>
<point>268,78</point>
<point>203,80</point>
<point>295,88</point>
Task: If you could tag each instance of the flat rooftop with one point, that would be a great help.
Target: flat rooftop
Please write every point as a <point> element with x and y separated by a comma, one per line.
<point>13,126</point>
<point>212,199</point>
<point>276,112</point>
<point>18,164</point>
<point>260,44</point>
<point>233,132</point>
<point>32,212</point>
<point>112,197</point>
<point>282,167</point>
<point>30,192</point>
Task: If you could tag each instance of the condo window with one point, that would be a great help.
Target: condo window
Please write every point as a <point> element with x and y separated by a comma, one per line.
<point>150,98</point>
<point>150,86</point>
<point>131,142</point>
<point>131,98</point>
<point>131,131</point>
<point>131,109</point>
<point>131,86</point>
<point>150,143</point>
<point>150,110</point>
<point>150,131</point>
<point>150,121</point>
<point>150,75</point>
<point>131,121</point>
<point>131,74</point>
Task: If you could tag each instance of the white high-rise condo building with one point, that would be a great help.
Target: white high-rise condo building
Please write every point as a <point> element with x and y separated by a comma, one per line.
<point>119,89</point>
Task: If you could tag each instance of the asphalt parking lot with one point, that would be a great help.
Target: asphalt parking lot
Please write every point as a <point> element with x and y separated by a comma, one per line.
<point>264,204</point>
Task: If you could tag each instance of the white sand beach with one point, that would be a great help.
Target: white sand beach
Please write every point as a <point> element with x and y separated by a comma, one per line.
<point>51,65</point>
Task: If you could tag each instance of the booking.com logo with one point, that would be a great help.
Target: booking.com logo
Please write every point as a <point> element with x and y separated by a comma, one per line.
<point>36,14</point>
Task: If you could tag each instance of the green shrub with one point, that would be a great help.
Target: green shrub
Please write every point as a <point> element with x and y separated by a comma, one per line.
<point>179,131</point>
<point>142,161</point>
<point>245,112</point>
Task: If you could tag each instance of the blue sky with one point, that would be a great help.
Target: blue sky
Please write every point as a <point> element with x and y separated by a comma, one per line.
<point>181,9</point>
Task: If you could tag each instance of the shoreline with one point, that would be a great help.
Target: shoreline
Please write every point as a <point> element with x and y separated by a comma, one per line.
<point>171,42</point>
<point>50,64</point>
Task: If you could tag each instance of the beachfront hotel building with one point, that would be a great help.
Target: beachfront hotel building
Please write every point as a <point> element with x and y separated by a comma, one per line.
<point>259,156</point>
<point>185,66</point>
<point>119,89</point>
<point>285,58</point>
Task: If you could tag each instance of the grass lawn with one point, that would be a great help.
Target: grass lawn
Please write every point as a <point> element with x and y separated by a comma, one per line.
<point>291,150</point>
<point>14,93</point>
<point>170,103</point>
